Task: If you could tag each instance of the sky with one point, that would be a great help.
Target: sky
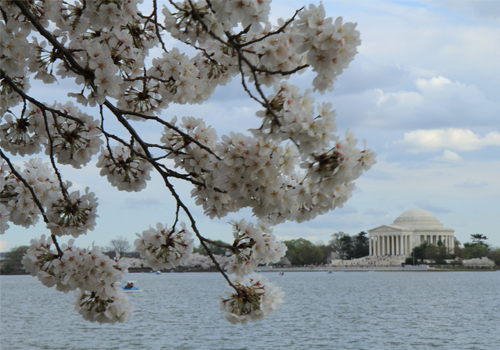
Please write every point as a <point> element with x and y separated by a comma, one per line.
<point>422,91</point>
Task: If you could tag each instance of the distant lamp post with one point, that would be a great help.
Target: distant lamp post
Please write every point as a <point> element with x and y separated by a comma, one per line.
<point>413,255</point>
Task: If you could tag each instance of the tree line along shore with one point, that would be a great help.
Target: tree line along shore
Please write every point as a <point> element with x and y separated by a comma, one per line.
<point>305,255</point>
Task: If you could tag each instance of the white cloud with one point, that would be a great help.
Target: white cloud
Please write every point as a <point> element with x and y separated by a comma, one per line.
<point>409,99</point>
<point>448,139</point>
<point>431,103</point>
<point>436,40</point>
<point>448,156</point>
<point>3,244</point>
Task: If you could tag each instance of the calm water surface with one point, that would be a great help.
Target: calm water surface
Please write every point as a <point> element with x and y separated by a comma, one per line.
<point>346,310</point>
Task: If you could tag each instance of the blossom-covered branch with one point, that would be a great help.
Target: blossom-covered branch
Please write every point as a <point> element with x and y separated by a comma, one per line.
<point>291,167</point>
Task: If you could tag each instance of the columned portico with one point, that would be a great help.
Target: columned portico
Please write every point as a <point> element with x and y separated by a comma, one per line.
<point>410,229</point>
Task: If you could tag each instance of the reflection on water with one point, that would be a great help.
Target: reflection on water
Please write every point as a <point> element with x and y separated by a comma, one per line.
<point>382,310</point>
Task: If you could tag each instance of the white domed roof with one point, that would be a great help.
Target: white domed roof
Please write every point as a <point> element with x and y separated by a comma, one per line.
<point>418,219</point>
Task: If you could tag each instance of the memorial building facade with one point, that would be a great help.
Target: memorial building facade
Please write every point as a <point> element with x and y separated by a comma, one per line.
<point>410,229</point>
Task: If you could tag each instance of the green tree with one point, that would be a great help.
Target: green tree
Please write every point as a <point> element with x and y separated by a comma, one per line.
<point>342,244</point>
<point>13,260</point>
<point>303,252</point>
<point>309,254</point>
<point>475,249</point>
<point>327,252</point>
<point>419,252</point>
<point>292,245</point>
<point>360,245</point>
<point>479,239</point>
<point>494,255</point>
<point>436,253</point>
<point>457,251</point>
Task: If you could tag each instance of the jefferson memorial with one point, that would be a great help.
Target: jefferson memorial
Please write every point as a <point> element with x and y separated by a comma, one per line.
<point>410,229</point>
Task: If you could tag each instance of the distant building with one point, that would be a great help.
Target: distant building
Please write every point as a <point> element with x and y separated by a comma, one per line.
<point>410,229</point>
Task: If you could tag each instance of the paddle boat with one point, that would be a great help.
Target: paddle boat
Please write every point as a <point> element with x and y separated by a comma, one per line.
<point>130,288</point>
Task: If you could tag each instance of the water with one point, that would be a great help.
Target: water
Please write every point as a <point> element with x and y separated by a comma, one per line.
<point>349,310</point>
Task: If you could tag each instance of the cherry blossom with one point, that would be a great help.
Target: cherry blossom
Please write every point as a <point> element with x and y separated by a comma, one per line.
<point>165,248</point>
<point>255,298</point>
<point>124,168</point>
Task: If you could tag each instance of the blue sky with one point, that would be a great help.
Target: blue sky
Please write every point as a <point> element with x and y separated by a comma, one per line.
<point>423,91</point>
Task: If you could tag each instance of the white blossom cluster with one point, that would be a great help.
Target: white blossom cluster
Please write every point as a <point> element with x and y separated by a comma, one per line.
<point>76,140</point>
<point>255,298</point>
<point>95,275</point>
<point>14,52</point>
<point>125,169</point>
<point>330,45</point>
<point>17,204</point>
<point>259,172</point>
<point>326,45</point>
<point>75,136</point>
<point>73,215</point>
<point>291,167</point>
<point>18,135</point>
<point>165,248</point>
<point>253,245</point>
<point>68,213</point>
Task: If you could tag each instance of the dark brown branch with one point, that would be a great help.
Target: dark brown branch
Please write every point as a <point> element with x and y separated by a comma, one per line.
<point>67,53</point>
<point>117,111</point>
<point>51,156</point>
<point>155,14</point>
<point>40,105</point>
<point>153,161</point>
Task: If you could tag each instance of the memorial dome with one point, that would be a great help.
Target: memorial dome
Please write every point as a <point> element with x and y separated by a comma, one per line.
<point>410,229</point>
<point>418,219</point>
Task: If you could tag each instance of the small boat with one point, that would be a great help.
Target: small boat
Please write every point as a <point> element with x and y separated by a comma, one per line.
<point>134,289</point>
<point>282,273</point>
<point>158,272</point>
<point>330,272</point>
<point>130,288</point>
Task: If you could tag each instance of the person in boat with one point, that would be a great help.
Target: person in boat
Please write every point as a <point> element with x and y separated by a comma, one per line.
<point>129,285</point>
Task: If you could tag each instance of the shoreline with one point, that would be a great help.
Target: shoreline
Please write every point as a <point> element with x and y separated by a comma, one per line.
<point>265,269</point>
